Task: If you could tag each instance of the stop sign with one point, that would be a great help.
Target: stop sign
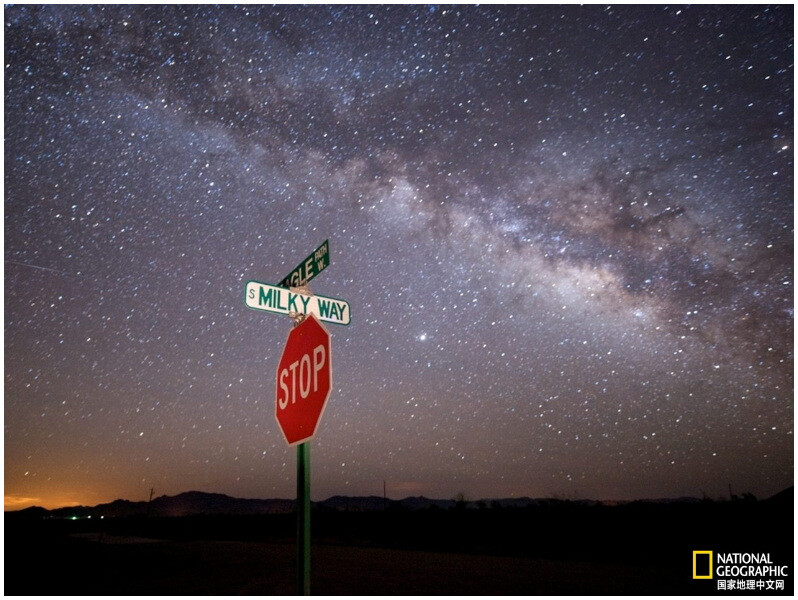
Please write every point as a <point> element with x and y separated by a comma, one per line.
<point>304,378</point>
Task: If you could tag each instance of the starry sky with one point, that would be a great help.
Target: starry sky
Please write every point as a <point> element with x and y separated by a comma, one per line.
<point>565,234</point>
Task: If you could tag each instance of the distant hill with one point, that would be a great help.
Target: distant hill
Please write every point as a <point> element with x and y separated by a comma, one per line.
<point>32,512</point>
<point>185,504</point>
<point>786,497</point>
<point>357,503</point>
<point>204,503</point>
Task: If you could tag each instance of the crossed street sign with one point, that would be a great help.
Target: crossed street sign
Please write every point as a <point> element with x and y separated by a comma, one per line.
<point>314,264</point>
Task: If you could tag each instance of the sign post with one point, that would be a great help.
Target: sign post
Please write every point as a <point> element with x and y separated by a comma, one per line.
<point>304,381</point>
<point>303,519</point>
<point>304,375</point>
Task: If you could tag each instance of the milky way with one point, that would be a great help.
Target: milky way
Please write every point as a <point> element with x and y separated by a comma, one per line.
<point>565,234</point>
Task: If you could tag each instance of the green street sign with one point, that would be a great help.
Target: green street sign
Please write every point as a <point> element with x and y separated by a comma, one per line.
<point>314,264</point>
<point>271,298</point>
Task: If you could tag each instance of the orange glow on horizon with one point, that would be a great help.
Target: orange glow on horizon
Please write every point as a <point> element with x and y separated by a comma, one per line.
<point>50,502</point>
<point>14,502</point>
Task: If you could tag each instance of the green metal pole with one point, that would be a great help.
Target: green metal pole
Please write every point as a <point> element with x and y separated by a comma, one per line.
<point>303,519</point>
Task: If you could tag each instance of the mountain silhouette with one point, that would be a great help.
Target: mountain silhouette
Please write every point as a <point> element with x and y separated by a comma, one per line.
<point>206,503</point>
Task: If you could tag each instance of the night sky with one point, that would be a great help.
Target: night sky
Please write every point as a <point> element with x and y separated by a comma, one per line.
<point>565,233</point>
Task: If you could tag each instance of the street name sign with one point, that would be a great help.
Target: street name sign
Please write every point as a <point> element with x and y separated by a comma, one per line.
<point>271,298</point>
<point>304,379</point>
<point>314,264</point>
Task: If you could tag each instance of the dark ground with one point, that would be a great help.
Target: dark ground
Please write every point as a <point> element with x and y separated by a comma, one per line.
<point>559,548</point>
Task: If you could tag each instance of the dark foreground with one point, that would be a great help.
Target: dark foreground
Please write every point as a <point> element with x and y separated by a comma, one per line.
<point>643,549</point>
<point>119,567</point>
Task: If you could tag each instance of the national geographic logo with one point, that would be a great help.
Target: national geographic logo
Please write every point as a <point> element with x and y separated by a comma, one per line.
<point>749,571</point>
<point>702,564</point>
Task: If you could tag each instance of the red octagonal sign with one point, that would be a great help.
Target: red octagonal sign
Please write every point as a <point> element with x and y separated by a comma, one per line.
<point>304,379</point>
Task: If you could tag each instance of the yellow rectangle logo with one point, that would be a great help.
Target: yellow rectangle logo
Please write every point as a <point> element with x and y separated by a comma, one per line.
<point>702,564</point>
